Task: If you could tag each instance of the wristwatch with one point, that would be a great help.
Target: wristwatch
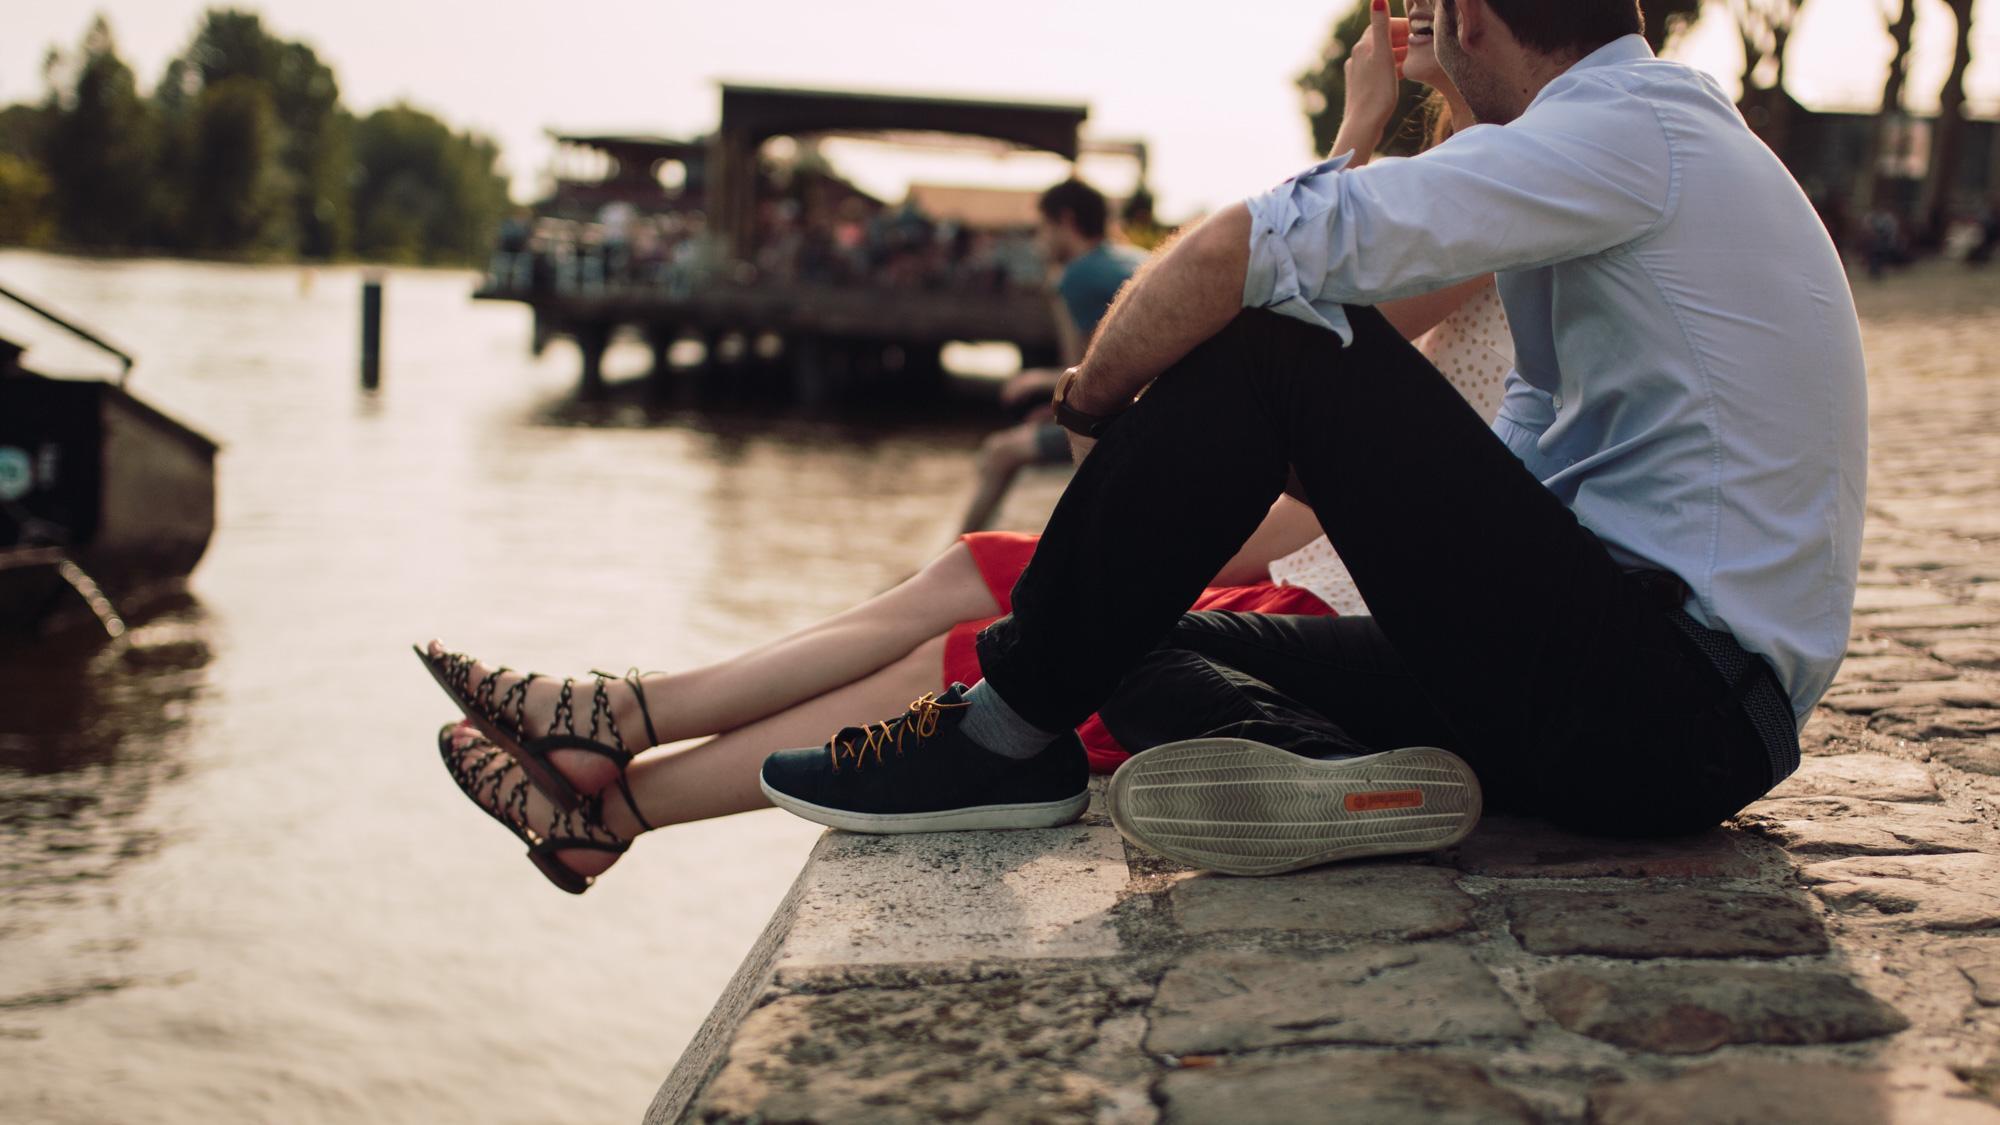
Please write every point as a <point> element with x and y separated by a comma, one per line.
<point>1072,419</point>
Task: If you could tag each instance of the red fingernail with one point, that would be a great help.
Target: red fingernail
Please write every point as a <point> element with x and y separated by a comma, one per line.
<point>1381,5</point>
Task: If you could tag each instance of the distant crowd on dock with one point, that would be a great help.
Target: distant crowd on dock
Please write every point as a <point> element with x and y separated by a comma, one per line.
<point>853,246</point>
<point>621,247</point>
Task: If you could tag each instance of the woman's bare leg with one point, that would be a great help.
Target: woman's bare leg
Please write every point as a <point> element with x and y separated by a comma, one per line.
<point>770,679</point>
<point>838,651</point>
<point>719,777</point>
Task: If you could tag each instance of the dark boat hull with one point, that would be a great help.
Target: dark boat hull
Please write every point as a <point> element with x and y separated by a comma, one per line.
<point>123,490</point>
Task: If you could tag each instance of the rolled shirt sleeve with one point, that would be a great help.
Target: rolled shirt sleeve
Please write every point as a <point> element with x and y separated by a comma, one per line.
<point>1277,258</point>
<point>1585,169</point>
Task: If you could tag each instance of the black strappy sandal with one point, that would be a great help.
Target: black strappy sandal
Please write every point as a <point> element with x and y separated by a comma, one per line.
<point>502,717</point>
<point>472,765</point>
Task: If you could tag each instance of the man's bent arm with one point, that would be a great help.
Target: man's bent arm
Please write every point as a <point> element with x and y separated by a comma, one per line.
<point>1188,292</point>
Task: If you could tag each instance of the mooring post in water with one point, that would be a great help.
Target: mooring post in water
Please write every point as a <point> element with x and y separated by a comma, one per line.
<point>592,340</point>
<point>371,331</point>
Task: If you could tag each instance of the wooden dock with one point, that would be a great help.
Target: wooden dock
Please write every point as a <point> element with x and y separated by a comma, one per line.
<point>792,267</point>
<point>830,341</point>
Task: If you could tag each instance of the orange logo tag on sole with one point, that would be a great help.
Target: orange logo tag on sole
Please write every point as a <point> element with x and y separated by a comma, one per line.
<point>1385,799</point>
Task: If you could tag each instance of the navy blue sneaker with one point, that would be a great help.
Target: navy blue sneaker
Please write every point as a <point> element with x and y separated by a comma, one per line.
<point>917,773</point>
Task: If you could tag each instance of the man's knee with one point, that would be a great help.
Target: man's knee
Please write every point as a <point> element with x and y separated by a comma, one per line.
<point>1168,695</point>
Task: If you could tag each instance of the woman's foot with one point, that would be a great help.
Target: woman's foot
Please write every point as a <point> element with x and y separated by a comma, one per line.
<point>570,847</point>
<point>603,720</point>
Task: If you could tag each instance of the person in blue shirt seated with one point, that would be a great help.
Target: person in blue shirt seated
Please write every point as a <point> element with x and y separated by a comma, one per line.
<point>1611,609</point>
<point>1075,234</point>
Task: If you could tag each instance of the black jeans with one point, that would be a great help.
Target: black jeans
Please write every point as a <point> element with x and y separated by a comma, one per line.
<point>1502,630</point>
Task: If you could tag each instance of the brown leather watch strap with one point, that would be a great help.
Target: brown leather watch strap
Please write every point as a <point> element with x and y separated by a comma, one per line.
<point>1072,419</point>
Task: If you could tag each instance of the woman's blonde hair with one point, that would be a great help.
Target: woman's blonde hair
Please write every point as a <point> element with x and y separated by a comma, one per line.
<point>1437,119</point>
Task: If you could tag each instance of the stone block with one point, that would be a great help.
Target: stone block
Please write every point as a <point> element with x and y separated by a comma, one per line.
<point>1862,643</point>
<point>1687,1010</point>
<point>1830,734</point>
<point>1925,725</point>
<point>1945,893</point>
<point>1926,557</point>
<point>1867,699</point>
<point>1664,923</point>
<point>873,900</point>
<point>1927,640</point>
<point>1894,670</point>
<point>1874,599</point>
<point>1929,617</point>
<point>1972,757</point>
<point>1833,826</point>
<point>998,1050</point>
<point>1513,848</point>
<point>1969,652</point>
<point>1355,900</point>
<point>1212,1003</point>
<point>1874,777</point>
<point>1347,1089</point>
<point>1981,966</point>
<point>1767,1092</point>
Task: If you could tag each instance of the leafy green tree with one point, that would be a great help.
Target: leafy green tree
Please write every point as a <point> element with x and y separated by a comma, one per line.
<point>24,202</point>
<point>244,201</point>
<point>244,147</point>
<point>422,192</point>
<point>99,150</point>
<point>24,130</point>
<point>305,100</point>
<point>27,217</point>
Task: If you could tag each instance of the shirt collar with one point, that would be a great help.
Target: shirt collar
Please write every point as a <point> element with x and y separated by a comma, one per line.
<point>1624,49</point>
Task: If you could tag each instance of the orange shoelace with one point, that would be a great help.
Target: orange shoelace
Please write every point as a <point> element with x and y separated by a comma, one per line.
<point>856,743</point>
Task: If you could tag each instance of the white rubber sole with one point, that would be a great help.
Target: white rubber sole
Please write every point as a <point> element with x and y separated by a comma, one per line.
<point>1046,814</point>
<point>1246,808</point>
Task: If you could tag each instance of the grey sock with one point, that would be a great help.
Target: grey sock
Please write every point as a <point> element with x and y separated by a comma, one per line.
<point>997,727</point>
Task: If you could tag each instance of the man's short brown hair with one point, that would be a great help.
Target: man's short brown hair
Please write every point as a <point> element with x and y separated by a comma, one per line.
<point>1568,27</point>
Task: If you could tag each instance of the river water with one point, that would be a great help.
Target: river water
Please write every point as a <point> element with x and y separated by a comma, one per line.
<point>238,886</point>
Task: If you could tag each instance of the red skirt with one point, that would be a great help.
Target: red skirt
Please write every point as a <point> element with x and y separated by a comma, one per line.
<point>1001,557</point>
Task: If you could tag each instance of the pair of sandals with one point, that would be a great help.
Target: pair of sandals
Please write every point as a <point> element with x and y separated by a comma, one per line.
<point>502,793</point>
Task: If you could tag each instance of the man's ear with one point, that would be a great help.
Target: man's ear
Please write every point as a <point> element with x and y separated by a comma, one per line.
<point>1475,20</point>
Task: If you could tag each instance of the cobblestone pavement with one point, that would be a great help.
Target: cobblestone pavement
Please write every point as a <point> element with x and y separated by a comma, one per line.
<point>1832,956</point>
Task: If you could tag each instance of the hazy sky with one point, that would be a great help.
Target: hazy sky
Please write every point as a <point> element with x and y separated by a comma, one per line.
<point>1212,93</point>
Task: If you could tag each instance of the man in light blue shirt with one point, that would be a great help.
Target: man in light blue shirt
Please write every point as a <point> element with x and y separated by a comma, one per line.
<point>1616,605</point>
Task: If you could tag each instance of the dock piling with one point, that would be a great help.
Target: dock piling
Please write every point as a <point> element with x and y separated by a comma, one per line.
<point>371,332</point>
<point>592,339</point>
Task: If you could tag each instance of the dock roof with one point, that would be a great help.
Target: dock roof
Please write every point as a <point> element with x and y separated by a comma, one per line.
<point>755,113</point>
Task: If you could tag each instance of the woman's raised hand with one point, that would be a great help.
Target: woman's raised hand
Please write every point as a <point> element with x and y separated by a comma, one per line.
<point>1373,72</point>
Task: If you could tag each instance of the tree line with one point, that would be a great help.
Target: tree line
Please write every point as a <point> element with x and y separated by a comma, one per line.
<point>243,149</point>
<point>1764,28</point>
